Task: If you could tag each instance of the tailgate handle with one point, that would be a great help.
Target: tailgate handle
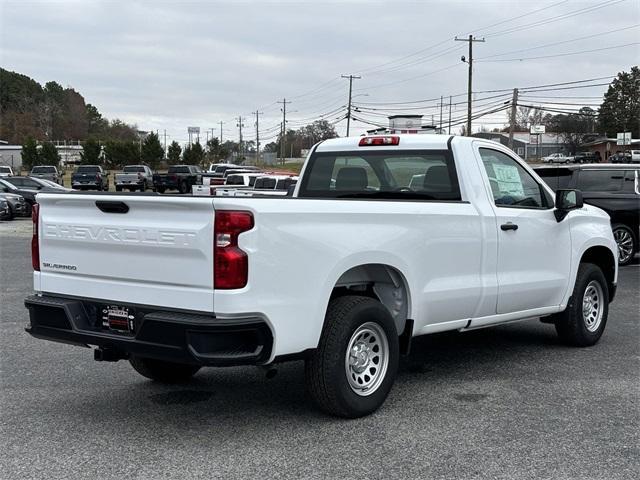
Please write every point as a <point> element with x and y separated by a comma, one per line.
<point>112,207</point>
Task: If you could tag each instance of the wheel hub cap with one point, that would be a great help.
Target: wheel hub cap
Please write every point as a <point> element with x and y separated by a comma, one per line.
<point>367,358</point>
<point>592,306</point>
<point>625,244</point>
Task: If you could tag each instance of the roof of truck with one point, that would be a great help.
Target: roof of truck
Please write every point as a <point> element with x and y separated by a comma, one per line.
<point>407,141</point>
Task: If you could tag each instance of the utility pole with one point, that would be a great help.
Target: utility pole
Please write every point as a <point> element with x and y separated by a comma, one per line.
<point>240,125</point>
<point>350,77</point>
<point>284,128</point>
<point>449,129</point>
<point>512,121</point>
<point>220,122</point>
<point>469,61</point>
<point>257,114</point>
<point>165,143</point>
<point>441,104</point>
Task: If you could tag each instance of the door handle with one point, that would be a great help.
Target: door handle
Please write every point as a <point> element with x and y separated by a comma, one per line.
<point>508,226</point>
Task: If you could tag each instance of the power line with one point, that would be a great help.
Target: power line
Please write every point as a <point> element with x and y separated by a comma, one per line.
<point>560,43</point>
<point>553,19</point>
<point>567,54</point>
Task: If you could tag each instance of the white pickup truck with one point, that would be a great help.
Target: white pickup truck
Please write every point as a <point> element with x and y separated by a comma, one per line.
<point>342,274</point>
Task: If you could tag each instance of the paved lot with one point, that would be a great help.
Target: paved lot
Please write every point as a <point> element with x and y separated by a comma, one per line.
<point>507,402</point>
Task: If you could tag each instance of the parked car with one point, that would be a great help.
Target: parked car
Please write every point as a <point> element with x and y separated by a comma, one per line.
<point>17,205</point>
<point>613,188</point>
<point>5,212</point>
<point>178,177</point>
<point>585,157</point>
<point>28,195</point>
<point>620,157</point>
<point>47,172</point>
<point>557,158</point>
<point>343,276</point>
<point>134,177</point>
<point>6,171</point>
<point>635,156</point>
<point>90,177</point>
<point>33,184</point>
<point>219,173</point>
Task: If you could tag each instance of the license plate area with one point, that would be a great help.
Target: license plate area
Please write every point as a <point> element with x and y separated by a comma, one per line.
<point>118,318</point>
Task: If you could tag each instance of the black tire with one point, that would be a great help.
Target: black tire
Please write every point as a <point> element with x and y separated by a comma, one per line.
<point>623,233</point>
<point>164,372</point>
<point>184,187</point>
<point>143,187</point>
<point>326,373</point>
<point>118,189</point>
<point>571,325</point>
<point>160,189</point>
<point>12,214</point>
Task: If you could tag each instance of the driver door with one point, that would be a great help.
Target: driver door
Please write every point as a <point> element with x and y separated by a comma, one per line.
<point>534,250</point>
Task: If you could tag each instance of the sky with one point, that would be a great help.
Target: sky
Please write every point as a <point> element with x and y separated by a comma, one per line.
<point>167,65</point>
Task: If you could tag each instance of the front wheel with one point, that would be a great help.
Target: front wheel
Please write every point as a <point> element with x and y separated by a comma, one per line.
<point>626,241</point>
<point>353,369</point>
<point>161,371</point>
<point>583,322</point>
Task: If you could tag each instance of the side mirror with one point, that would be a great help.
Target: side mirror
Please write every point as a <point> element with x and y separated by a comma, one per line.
<point>567,200</point>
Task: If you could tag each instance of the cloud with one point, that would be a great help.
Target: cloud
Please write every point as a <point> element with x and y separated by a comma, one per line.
<point>167,65</point>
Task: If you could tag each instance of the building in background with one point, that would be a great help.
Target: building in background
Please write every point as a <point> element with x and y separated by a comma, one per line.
<point>406,124</point>
<point>530,146</point>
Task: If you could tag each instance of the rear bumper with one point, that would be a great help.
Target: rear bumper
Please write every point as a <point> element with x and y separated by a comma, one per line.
<point>183,337</point>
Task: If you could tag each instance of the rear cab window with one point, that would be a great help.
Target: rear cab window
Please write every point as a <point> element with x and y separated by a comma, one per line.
<point>428,175</point>
<point>43,170</point>
<point>88,169</point>
<point>179,169</point>
<point>133,169</point>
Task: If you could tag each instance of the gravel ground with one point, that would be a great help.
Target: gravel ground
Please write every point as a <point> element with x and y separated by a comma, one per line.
<point>508,402</point>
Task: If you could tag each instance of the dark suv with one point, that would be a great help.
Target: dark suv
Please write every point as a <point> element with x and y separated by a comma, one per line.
<point>614,188</point>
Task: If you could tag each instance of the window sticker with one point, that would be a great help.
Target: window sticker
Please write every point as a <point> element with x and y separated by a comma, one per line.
<point>509,181</point>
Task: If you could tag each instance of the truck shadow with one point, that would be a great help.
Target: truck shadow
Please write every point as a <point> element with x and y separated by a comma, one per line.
<point>224,396</point>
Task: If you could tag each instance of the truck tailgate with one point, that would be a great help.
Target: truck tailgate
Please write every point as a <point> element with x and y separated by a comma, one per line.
<point>160,252</point>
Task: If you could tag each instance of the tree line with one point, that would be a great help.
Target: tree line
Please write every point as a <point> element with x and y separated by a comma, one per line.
<point>619,112</point>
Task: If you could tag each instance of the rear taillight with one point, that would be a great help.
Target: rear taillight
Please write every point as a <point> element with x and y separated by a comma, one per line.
<point>35,246</point>
<point>379,141</point>
<point>97,177</point>
<point>231,264</point>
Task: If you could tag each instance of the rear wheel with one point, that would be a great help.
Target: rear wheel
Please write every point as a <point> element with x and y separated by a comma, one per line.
<point>118,189</point>
<point>160,189</point>
<point>627,243</point>
<point>583,322</point>
<point>183,187</point>
<point>353,369</point>
<point>161,371</point>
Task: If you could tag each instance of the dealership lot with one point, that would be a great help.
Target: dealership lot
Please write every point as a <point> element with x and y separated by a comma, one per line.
<point>506,402</point>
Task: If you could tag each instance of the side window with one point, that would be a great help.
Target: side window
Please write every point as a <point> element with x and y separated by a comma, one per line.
<point>511,184</point>
<point>600,180</point>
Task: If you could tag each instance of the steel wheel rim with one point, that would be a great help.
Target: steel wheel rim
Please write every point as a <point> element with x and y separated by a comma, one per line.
<point>367,358</point>
<point>625,244</point>
<point>592,306</point>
